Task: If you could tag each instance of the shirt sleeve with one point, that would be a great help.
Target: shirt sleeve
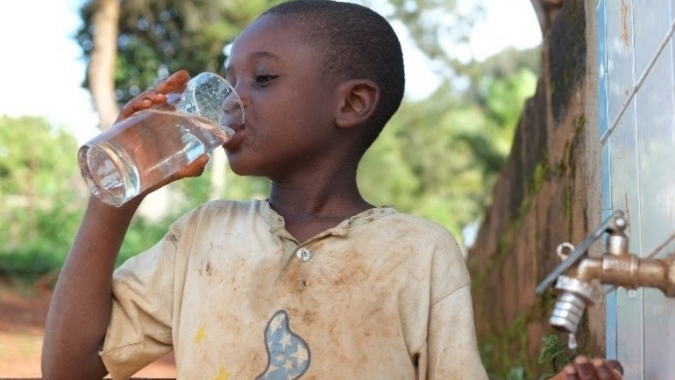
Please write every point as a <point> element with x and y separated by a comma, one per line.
<point>452,351</point>
<point>140,327</point>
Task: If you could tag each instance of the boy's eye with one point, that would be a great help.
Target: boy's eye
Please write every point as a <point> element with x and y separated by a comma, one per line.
<point>263,79</point>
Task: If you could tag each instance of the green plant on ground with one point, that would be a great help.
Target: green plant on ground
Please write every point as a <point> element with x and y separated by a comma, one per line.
<point>555,355</point>
<point>516,373</point>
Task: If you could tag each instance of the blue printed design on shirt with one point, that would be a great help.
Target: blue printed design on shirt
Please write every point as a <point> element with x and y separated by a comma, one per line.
<point>288,355</point>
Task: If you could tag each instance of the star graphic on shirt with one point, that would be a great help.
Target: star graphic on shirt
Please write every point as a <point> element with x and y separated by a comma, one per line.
<point>222,374</point>
<point>285,340</point>
<point>301,354</point>
<point>200,335</point>
<point>275,323</point>
<point>288,356</point>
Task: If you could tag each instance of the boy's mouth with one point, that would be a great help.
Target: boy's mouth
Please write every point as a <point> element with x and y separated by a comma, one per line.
<point>234,141</point>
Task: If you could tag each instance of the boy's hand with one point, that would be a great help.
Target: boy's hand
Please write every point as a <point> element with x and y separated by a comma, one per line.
<point>154,98</point>
<point>594,369</point>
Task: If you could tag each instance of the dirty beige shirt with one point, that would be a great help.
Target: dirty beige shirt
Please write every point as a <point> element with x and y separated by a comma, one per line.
<point>383,295</point>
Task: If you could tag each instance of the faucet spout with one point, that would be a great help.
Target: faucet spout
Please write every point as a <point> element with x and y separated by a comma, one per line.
<point>574,296</point>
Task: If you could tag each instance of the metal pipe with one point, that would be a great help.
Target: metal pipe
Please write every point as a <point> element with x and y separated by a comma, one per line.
<point>629,271</point>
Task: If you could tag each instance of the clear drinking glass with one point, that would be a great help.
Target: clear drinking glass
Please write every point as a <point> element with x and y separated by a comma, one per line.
<point>149,146</point>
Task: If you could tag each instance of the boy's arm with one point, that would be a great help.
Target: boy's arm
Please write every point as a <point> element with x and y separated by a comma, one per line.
<point>81,305</point>
<point>80,310</point>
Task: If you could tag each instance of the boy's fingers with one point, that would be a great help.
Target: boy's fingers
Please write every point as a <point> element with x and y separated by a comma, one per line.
<point>614,369</point>
<point>155,96</point>
<point>173,83</point>
<point>595,369</point>
<point>585,370</point>
<point>570,372</point>
<point>145,102</point>
<point>142,102</point>
<point>604,370</point>
<point>616,366</point>
<point>194,169</point>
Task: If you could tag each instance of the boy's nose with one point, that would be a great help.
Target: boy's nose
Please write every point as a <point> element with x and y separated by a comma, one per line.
<point>234,110</point>
<point>240,93</point>
<point>235,103</point>
<point>244,101</point>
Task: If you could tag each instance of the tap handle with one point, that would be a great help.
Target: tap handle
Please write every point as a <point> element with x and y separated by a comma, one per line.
<point>615,222</point>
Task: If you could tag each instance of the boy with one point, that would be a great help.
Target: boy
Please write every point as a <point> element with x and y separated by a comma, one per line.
<point>312,283</point>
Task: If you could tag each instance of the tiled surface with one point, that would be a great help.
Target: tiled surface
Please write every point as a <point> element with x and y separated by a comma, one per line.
<point>602,67</point>
<point>605,178</point>
<point>619,49</point>
<point>656,145</point>
<point>651,20</point>
<point>625,179</point>
<point>659,333</point>
<point>637,159</point>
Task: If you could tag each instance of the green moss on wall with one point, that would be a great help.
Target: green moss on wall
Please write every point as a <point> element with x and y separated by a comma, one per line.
<point>567,54</point>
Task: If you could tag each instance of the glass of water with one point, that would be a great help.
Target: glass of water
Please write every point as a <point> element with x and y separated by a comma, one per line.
<point>151,145</point>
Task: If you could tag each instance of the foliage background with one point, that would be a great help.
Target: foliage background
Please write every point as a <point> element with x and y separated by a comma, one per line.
<point>437,158</point>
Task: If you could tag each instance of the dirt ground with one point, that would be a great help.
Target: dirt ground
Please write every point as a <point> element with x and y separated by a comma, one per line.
<point>22,317</point>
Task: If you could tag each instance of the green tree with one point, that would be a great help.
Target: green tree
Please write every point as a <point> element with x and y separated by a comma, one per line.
<point>156,38</point>
<point>42,197</point>
<point>439,28</point>
<point>159,37</point>
<point>438,157</point>
<point>40,194</point>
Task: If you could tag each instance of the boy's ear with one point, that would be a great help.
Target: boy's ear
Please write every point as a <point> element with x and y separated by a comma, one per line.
<point>358,99</point>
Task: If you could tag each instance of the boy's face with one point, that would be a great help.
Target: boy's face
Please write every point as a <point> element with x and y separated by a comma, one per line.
<point>289,105</point>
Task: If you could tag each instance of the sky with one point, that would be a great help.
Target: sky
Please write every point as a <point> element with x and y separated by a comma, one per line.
<point>41,69</point>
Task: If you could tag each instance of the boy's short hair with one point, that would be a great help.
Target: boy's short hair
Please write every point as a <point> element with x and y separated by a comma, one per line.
<point>356,43</point>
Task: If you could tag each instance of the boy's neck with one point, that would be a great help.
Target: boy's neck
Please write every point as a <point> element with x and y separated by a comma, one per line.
<point>310,208</point>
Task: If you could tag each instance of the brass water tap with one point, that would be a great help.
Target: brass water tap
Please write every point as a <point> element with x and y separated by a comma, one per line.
<point>574,277</point>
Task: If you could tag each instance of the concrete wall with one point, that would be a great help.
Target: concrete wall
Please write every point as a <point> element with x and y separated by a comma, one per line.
<point>547,193</point>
